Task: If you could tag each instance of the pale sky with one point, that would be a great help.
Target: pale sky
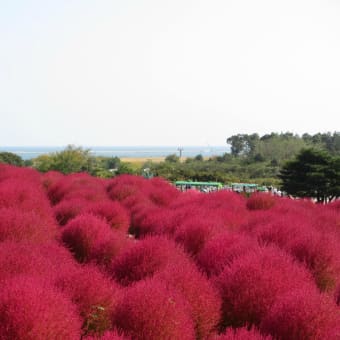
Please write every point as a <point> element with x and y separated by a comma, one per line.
<point>159,72</point>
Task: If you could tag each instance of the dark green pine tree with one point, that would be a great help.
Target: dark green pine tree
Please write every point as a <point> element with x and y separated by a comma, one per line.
<point>313,173</point>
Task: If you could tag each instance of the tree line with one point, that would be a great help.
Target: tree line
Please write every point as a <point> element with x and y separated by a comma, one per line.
<point>306,165</point>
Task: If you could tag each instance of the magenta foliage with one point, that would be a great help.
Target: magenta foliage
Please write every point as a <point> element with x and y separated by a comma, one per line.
<point>43,261</point>
<point>25,195</point>
<point>93,293</point>
<point>241,334</point>
<point>149,310</point>
<point>13,172</point>
<point>50,178</point>
<point>195,231</point>
<point>109,335</point>
<point>29,226</point>
<point>65,210</point>
<point>320,253</point>
<point>91,238</point>
<point>161,192</point>
<point>145,258</point>
<point>222,250</point>
<point>303,314</point>
<point>33,310</point>
<point>78,185</point>
<point>124,186</point>
<point>113,212</point>
<point>253,282</point>
<point>204,300</point>
<point>260,201</point>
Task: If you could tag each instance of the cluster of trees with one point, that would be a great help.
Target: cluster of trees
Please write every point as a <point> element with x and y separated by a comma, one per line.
<point>277,148</point>
<point>302,166</point>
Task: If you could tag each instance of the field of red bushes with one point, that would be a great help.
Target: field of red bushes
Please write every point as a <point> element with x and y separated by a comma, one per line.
<point>134,258</point>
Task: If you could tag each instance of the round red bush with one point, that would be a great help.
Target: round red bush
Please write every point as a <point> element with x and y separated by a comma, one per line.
<point>241,334</point>
<point>109,335</point>
<point>145,258</point>
<point>29,226</point>
<point>113,212</point>
<point>260,201</point>
<point>149,310</point>
<point>204,300</point>
<point>253,282</point>
<point>65,210</point>
<point>45,261</point>
<point>303,314</point>
<point>32,310</point>
<point>222,250</point>
<point>89,236</point>
<point>94,294</point>
<point>194,232</point>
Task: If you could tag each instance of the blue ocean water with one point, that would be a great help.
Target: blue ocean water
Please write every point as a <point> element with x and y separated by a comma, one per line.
<point>28,152</point>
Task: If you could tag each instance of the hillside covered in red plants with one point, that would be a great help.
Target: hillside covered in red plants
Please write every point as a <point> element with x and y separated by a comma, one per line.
<point>134,258</point>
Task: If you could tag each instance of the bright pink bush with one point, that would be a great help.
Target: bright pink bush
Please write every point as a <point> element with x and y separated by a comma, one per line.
<point>222,250</point>
<point>260,201</point>
<point>109,335</point>
<point>94,294</point>
<point>124,186</point>
<point>46,261</point>
<point>241,334</point>
<point>302,314</point>
<point>320,253</point>
<point>145,258</point>
<point>50,178</point>
<point>113,212</point>
<point>34,310</point>
<point>89,236</point>
<point>194,232</point>
<point>65,210</point>
<point>13,172</point>
<point>149,310</point>
<point>252,283</point>
<point>26,196</point>
<point>161,192</point>
<point>79,185</point>
<point>29,226</point>
<point>204,300</point>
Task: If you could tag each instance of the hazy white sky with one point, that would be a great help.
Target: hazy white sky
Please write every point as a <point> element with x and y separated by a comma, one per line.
<point>159,72</point>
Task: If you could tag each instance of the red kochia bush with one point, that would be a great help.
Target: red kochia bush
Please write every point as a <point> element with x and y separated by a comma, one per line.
<point>29,226</point>
<point>43,261</point>
<point>89,236</point>
<point>149,310</point>
<point>195,231</point>
<point>260,201</point>
<point>161,192</point>
<point>10,171</point>
<point>303,314</point>
<point>25,196</point>
<point>113,212</point>
<point>320,253</point>
<point>94,294</point>
<point>203,299</point>
<point>222,250</point>
<point>79,185</point>
<point>32,310</point>
<point>109,335</point>
<point>241,334</point>
<point>50,178</point>
<point>124,186</point>
<point>65,210</point>
<point>144,259</point>
<point>253,282</point>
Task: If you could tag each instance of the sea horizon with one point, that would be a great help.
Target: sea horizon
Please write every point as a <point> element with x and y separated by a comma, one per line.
<point>29,152</point>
